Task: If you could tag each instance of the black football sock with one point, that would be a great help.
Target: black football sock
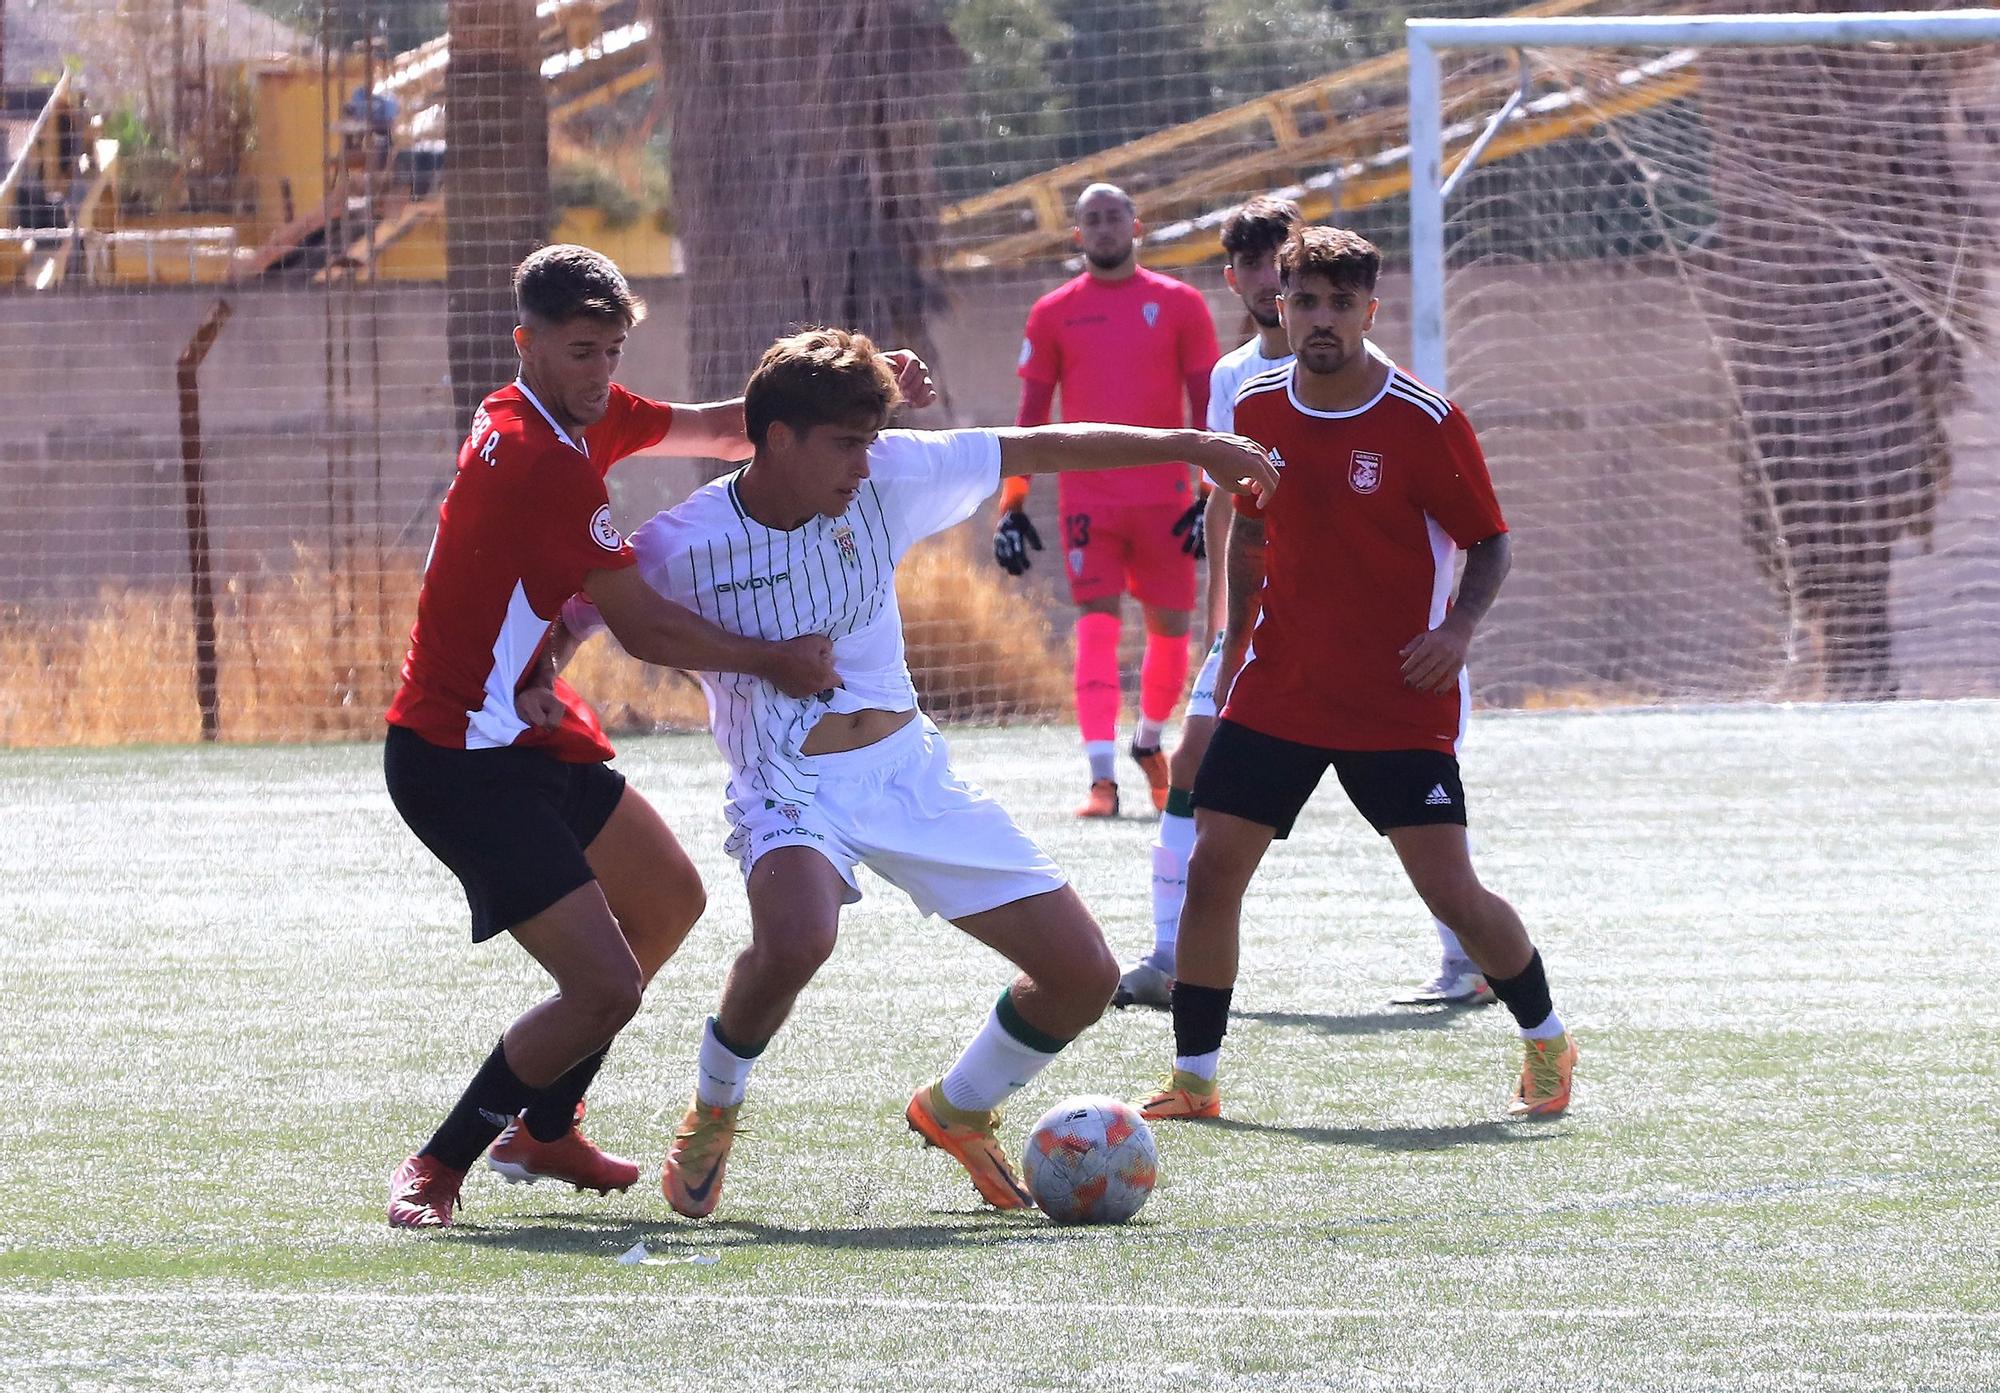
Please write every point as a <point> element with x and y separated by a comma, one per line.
<point>489,1103</point>
<point>554,1113</point>
<point>1201,1018</point>
<point>1526,994</point>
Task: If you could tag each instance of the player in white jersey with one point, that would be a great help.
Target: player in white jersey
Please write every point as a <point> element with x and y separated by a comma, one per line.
<point>1251,236</point>
<point>806,539</point>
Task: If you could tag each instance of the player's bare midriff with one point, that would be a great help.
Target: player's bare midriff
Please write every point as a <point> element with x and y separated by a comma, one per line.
<point>851,730</point>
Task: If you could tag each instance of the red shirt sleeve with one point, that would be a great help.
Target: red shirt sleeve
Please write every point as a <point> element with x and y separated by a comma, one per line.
<point>1041,351</point>
<point>565,514</point>
<point>1454,487</point>
<point>630,424</point>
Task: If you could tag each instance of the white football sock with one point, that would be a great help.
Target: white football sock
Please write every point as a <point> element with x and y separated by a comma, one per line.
<point>994,1067</point>
<point>1170,863</point>
<point>1454,953</point>
<point>1148,734</point>
<point>1202,1066</point>
<point>721,1076</point>
<point>1547,1030</point>
<point>1103,757</point>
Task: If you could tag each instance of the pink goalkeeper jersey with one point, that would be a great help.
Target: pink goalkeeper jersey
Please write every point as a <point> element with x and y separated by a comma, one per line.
<point>1121,352</point>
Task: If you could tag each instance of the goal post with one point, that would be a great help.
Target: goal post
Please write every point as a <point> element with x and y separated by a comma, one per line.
<point>1736,270</point>
<point>1428,36</point>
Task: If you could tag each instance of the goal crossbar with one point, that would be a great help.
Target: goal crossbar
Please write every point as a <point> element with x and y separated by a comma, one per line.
<point>1428,36</point>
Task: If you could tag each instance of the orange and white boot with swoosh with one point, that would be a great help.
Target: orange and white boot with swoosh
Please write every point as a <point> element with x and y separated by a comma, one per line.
<point>972,1140</point>
<point>692,1177</point>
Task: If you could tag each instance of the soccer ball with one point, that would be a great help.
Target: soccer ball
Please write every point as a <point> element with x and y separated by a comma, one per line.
<point>1091,1161</point>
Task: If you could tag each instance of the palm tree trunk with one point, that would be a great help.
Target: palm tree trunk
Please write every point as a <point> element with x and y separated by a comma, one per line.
<point>804,169</point>
<point>496,186</point>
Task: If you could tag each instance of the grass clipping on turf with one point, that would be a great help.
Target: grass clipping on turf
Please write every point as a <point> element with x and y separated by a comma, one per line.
<point>314,652</point>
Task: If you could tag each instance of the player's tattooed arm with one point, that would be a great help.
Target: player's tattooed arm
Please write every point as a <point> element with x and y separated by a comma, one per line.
<point>1220,512</point>
<point>1431,661</point>
<point>1245,579</point>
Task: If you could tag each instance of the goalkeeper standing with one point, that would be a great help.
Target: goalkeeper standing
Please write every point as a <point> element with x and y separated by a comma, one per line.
<point>1125,346</point>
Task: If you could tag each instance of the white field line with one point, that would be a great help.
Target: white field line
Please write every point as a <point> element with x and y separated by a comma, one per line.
<point>402,1298</point>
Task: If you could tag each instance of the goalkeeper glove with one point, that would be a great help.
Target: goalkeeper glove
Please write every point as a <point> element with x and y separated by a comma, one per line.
<point>1192,529</point>
<point>1012,539</point>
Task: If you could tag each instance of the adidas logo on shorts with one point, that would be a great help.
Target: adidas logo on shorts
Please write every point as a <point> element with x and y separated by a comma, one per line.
<point>1437,797</point>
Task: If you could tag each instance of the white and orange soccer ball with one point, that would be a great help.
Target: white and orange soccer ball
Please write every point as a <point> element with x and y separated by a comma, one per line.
<point>1091,1161</point>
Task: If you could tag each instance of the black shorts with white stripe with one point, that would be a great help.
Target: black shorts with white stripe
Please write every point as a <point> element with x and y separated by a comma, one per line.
<point>1266,780</point>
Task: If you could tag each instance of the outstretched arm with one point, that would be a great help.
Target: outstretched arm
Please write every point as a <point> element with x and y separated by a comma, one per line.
<point>1431,660</point>
<point>714,430</point>
<point>1234,463</point>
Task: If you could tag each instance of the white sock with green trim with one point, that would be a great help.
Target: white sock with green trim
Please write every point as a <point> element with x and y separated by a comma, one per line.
<point>998,1063</point>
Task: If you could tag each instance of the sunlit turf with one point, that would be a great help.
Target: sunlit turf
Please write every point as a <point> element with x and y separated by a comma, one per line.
<point>237,992</point>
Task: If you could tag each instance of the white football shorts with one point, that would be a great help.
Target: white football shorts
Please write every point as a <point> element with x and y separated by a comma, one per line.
<point>896,807</point>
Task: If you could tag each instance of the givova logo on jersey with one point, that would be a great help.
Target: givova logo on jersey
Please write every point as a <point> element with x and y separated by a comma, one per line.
<point>1364,471</point>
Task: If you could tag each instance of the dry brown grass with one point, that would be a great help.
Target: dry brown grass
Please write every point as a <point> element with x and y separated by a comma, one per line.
<point>301,655</point>
<point>307,654</point>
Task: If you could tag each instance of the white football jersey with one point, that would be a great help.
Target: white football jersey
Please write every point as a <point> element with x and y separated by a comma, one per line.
<point>1230,372</point>
<point>832,576</point>
<point>1237,367</point>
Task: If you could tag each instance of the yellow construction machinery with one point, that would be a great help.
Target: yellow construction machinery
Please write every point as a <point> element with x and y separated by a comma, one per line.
<point>347,187</point>
<point>338,179</point>
<point>1335,144</point>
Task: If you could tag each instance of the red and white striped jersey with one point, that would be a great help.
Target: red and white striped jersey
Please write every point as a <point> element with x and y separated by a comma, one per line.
<point>526,519</point>
<point>1371,508</point>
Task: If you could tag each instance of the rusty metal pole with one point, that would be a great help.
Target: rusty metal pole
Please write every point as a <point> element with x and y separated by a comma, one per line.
<point>201,581</point>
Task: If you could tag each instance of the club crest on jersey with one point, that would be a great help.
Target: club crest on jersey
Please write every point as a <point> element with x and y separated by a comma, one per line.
<point>843,538</point>
<point>602,532</point>
<point>1364,474</point>
<point>1150,312</point>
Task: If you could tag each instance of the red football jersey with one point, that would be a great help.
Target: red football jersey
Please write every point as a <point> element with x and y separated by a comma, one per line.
<point>526,518</point>
<point>1371,508</point>
<point>1121,352</point>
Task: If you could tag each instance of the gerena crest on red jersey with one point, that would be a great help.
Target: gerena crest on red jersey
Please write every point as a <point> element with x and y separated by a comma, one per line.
<point>1364,471</point>
<point>602,532</point>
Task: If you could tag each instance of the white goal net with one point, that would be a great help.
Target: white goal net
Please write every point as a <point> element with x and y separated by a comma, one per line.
<point>1722,315</point>
<point>1725,316</point>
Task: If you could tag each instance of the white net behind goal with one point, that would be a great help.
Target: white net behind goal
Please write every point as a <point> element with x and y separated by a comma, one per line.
<point>1724,318</point>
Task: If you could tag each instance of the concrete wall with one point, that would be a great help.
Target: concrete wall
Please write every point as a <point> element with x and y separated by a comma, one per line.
<point>1630,572</point>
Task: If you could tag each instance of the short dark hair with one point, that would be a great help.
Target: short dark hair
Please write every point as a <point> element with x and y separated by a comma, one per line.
<point>1260,226</point>
<point>819,376</point>
<point>1343,257</point>
<point>563,282</point>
